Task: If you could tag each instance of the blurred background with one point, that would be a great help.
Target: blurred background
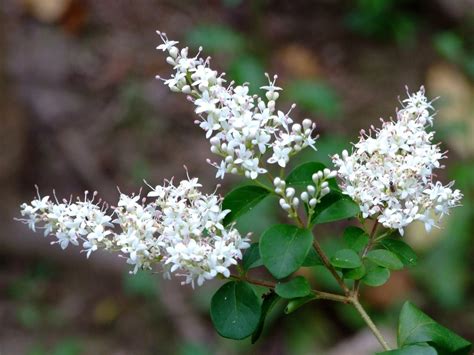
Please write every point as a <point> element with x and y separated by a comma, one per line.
<point>80,109</point>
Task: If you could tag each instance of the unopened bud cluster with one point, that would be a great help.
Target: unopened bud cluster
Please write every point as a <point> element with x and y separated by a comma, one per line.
<point>241,127</point>
<point>313,194</point>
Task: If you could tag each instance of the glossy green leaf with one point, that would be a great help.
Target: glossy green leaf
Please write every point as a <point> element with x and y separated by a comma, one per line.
<point>251,257</point>
<point>385,258</point>
<point>346,259</point>
<point>312,259</point>
<point>295,288</point>
<point>301,176</point>
<point>415,327</point>
<point>404,252</point>
<point>334,207</point>
<point>269,301</point>
<point>241,200</point>
<point>283,249</point>
<point>355,274</point>
<point>420,349</point>
<point>376,276</point>
<point>235,310</point>
<point>296,303</point>
<point>355,238</point>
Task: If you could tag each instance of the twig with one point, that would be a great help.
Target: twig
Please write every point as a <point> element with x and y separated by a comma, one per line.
<point>328,266</point>
<point>369,322</point>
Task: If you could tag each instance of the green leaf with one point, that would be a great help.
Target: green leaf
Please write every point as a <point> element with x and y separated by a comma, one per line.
<point>415,327</point>
<point>355,274</point>
<point>269,301</point>
<point>283,249</point>
<point>295,288</point>
<point>404,252</point>
<point>334,207</point>
<point>420,349</point>
<point>235,310</point>
<point>376,276</point>
<point>251,257</point>
<point>301,176</point>
<point>241,200</point>
<point>385,258</point>
<point>355,238</point>
<point>315,97</point>
<point>296,303</point>
<point>346,259</point>
<point>312,259</point>
<point>216,38</point>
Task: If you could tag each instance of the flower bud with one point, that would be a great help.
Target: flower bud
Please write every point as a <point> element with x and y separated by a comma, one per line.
<point>173,52</point>
<point>186,89</point>
<point>284,205</point>
<point>307,123</point>
<point>290,192</point>
<point>295,202</point>
<point>214,141</point>
<point>296,128</point>
<point>325,191</point>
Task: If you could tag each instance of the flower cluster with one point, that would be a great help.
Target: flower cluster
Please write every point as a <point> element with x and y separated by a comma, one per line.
<point>390,174</point>
<point>241,127</point>
<point>83,221</point>
<point>181,228</point>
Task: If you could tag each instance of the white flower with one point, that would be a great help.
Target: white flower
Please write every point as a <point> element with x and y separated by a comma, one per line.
<point>241,127</point>
<point>390,175</point>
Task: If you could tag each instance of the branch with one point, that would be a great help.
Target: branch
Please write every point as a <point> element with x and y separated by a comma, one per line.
<point>269,284</point>
<point>328,266</point>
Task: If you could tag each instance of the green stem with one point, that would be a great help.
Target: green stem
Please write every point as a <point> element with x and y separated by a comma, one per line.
<point>259,183</point>
<point>269,284</point>
<point>364,253</point>
<point>369,322</point>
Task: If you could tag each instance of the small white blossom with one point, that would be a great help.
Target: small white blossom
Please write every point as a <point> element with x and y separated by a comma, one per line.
<point>390,175</point>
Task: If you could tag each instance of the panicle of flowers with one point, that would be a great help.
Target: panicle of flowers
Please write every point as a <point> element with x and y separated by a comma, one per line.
<point>181,228</point>
<point>241,127</point>
<point>390,173</point>
<point>312,195</point>
<point>83,221</point>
